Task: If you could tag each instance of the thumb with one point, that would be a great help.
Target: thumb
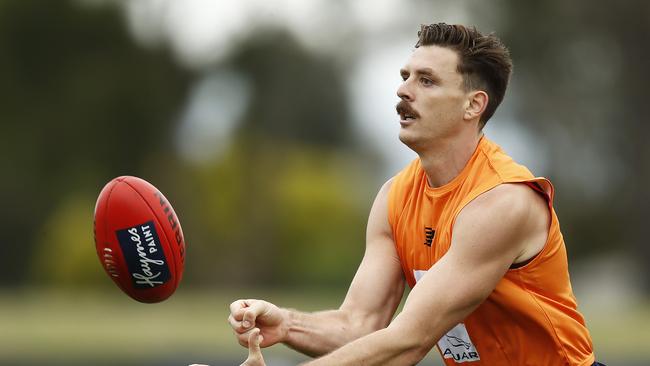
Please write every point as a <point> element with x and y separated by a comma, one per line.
<point>255,357</point>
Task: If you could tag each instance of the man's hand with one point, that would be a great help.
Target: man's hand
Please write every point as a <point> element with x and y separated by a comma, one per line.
<point>246,315</point>
<point>254,352</point>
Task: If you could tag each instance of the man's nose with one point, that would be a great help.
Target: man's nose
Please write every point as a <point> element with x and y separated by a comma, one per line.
<point>404,93</point>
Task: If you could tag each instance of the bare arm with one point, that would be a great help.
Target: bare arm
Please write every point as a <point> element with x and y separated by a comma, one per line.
<point>481,252</point>
<point>369,305</point>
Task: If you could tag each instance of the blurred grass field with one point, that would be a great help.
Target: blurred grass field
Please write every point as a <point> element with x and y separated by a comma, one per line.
<point>74,328</point>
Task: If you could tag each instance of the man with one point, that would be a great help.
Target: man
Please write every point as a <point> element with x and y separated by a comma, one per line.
<point>476,231</point>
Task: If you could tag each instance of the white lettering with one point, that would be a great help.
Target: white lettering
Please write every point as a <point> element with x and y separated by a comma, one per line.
<point>147,276</point>
<point>147,279</point>
<point>148,237</point>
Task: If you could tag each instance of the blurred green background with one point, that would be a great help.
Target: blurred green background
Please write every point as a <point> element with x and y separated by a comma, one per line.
<point>270,126</point>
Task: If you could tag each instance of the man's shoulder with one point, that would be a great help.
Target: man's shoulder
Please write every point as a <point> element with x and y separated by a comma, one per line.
<point>412,168</point>
<point>407,177</point>
<point>503,164</point>
<point>515,197</point>
<point>511,219</point>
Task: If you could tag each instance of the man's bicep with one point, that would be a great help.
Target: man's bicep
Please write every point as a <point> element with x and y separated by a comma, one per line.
<point>378,286</point>
<point>492,232</point>
<point>481,252</point>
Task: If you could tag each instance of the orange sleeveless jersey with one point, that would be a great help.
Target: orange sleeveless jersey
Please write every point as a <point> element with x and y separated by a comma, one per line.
<point>531,317</point>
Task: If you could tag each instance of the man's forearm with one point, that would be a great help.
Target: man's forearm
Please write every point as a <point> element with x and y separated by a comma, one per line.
<point>383,347</point>
<point>316,334</point>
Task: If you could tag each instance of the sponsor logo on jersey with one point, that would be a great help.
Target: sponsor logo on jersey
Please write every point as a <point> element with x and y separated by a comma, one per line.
<point>457,345</point>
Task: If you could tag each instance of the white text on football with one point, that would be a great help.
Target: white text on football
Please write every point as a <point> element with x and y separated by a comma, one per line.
<point>147,276</point>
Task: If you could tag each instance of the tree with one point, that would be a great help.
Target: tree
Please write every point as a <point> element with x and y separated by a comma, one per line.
<point>81,104</point>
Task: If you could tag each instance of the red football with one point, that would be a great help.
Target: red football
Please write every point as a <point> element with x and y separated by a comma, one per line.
<point>139,239</point>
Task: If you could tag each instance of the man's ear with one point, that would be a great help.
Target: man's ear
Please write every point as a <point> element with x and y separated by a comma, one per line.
<point>476,103</point>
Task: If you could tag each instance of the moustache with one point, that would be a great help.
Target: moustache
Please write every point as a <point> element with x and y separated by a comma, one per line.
<point>403,108</point>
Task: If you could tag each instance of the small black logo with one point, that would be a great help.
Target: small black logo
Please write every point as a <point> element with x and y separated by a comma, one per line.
<point>457,342</point>
<point>429,233</point>
<point>173,221</point>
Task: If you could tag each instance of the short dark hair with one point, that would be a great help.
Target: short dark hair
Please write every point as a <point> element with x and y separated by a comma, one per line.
<point>484,61</point>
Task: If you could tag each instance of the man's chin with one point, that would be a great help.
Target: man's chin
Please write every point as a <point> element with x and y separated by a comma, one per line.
<point>408,139</point>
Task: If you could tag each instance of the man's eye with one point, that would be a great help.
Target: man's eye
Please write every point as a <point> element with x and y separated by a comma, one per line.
<point>404,77</point>
<point>426,81</point>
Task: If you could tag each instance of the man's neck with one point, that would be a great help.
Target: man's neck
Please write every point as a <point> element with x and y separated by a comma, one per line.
<point>444,162</point>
